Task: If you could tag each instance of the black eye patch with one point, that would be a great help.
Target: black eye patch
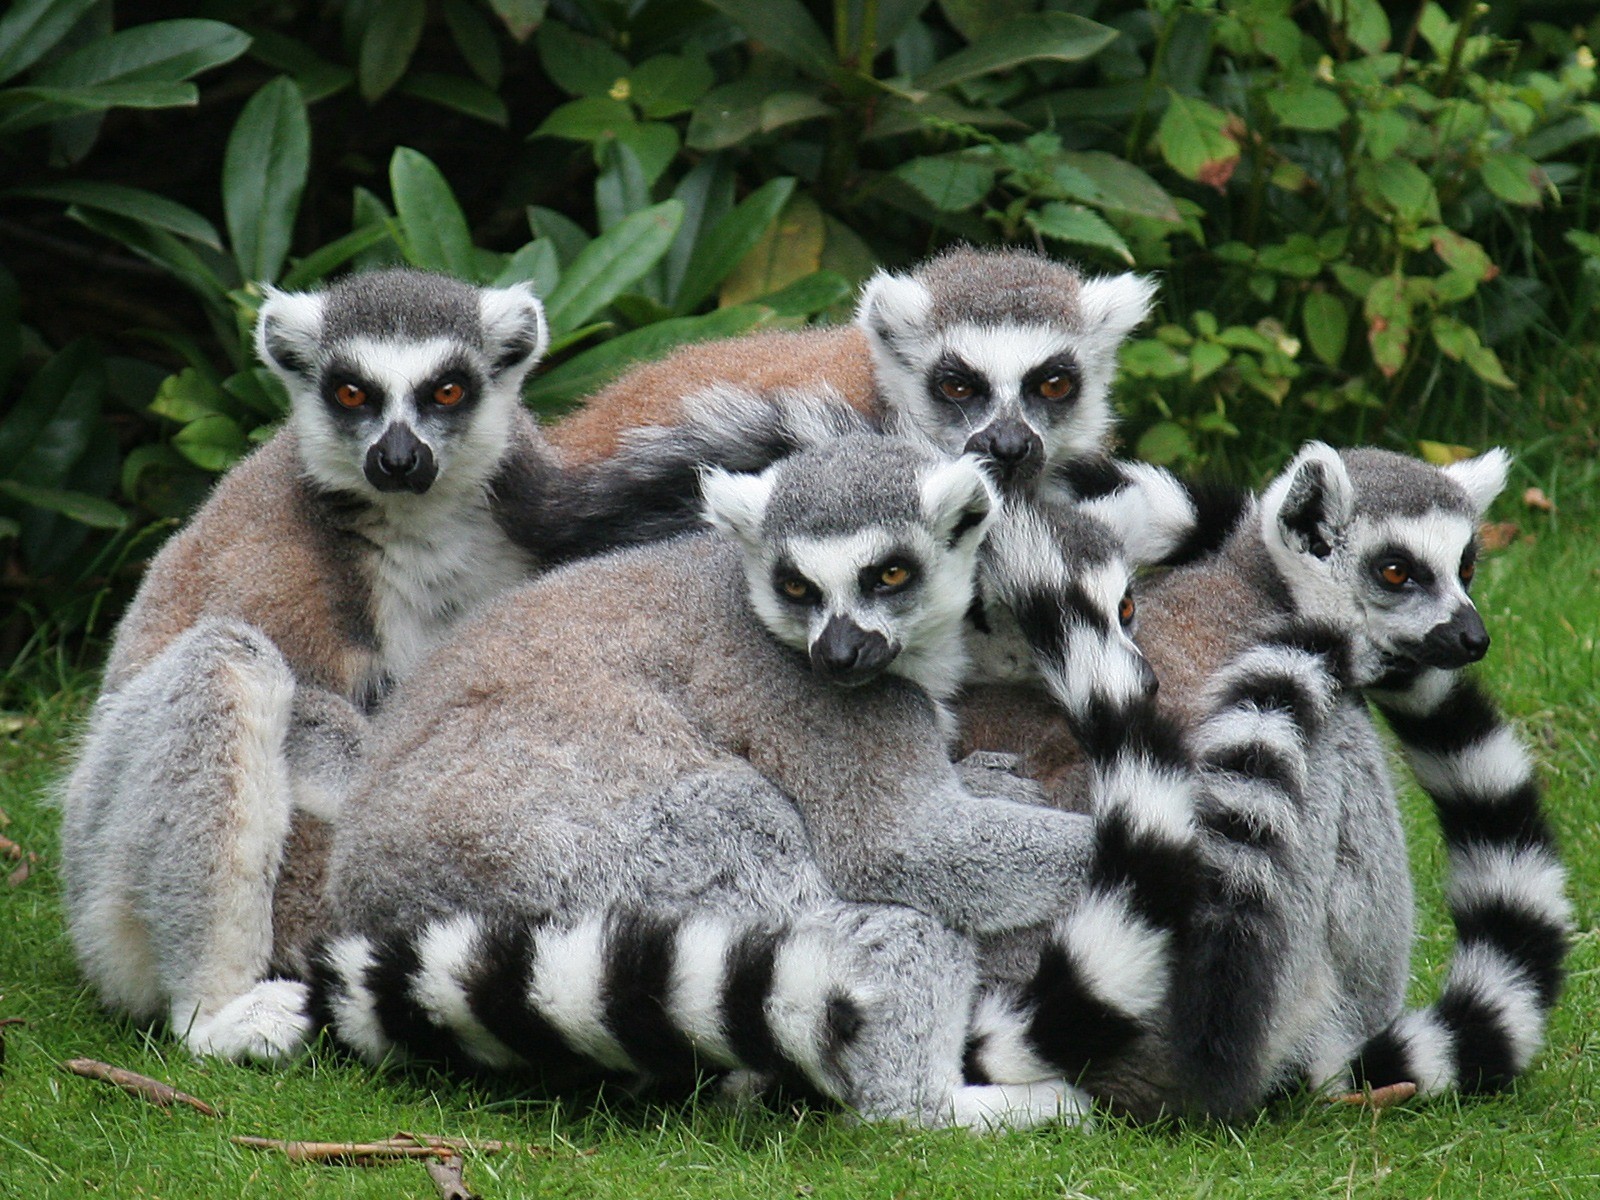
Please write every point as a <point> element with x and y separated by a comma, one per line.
<point>952,381</point>
<point>341,373</point>
<point>1056,381</point>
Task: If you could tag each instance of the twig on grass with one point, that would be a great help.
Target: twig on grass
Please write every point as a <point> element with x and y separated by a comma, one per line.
<point>398,1148</point>
<point>447,1181</point>
<point>135,1084</point>
<point>1382,1097</point>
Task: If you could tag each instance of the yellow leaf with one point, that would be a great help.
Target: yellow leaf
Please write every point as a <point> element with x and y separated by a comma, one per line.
<point>1442,454</point>
<point>791,249</point>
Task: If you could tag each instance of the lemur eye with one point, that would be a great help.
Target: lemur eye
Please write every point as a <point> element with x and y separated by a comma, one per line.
<point>895,575</point>
<point>795,588</point>
<point>1394,573</point>
<point>952,388</point>
<point>1468,570</point>
<point>448,394</point>
<point>1125,609</point>
<point>349,395</point>
<point>1056,387</point>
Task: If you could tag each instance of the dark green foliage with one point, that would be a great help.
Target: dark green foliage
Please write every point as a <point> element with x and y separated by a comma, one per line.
<point>1364,229</point>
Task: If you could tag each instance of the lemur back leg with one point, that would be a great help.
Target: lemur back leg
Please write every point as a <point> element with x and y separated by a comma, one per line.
<point>174,828</point>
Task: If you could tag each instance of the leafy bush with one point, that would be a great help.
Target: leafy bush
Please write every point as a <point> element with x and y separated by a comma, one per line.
<point>1349,218</point>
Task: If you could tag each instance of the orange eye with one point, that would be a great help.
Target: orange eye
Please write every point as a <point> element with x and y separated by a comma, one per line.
<point>955,389</point>
<point>448,394</point>
<point>349,395</point>
<point>1468,570</point>
<point>1395,574</point>
<point>795,589</point>
<point>1056,387</point>
<point>1125,609</point>
<point>894,576</point>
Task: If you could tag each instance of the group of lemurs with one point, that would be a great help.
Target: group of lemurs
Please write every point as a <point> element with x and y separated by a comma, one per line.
<point>793,711</point>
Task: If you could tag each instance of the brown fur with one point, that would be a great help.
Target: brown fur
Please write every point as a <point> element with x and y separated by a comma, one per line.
<point>653,393</point>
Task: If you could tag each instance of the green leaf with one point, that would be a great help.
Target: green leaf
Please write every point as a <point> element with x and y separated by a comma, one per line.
<point>593,369</point>
<point>1307,106</point>
<point>610,263</point>
<point>212,443</point>
<point>10,329</point>
<point>315,76</point>
<point>973,19</point>
<point>565,234</point>
<point>1388,323</point>
<point>1164,443</point>
<point>134,203</point>
<point>1296,258</point>
<point>1206,359</point>
<point>739,111</point>
<point>1074,223</point>
<point>33,28</point>
<point>786,28</point>
<point>809,295</point>
<point>726,243</point>
<point>654,144</point>
<point>1120,186</point>
<point>264,171</point>
<point>187,396</point>
<point>393,30</point>
<point>534,263</point>
<point>669,84</point>
<point>432,224</point>
<point>1053,36</point>
<point>325,259</point>
<point>707,195</point>
<point>1403,188</point>
<point>1153,359</point>
<point>50,425</point>
<point>1327,326</point>
<point>1514,178</point>
<point>1384,131</point>
<point>156,52</point>
<point>1365,23</point>
<point>166,251</point>
<point>462,95</point>
<point>621,188</point>
<point>1459,341</point>
<point>56,103</point>
<point>789,250</point>
<point>1194,140</point>
<point>1464,255</point>
<point>592,119</point>
<point>580,65</point>
<point>86,510</point>
<point>520,17</point>
<point>949,182</point>
<point>474,36</point>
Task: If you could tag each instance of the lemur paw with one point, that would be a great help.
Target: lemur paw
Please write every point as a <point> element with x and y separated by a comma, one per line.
<point>998,1107</point>
<point>268,1023</point>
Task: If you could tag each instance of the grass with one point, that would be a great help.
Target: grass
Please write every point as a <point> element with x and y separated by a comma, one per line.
<point>65,1136</point>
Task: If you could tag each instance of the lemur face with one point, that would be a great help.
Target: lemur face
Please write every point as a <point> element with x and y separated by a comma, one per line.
<point>861,555</point>
<point>402,382</point>
<point>1386,547</point>
<point>1002,354</point>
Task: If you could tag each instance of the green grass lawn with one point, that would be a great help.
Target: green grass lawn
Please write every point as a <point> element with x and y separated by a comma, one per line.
<point>65,1136</point>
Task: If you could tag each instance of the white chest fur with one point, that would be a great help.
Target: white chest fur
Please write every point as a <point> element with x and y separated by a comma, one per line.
<point>432,567</point>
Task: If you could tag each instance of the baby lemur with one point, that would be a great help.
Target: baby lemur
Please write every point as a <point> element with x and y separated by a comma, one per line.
<point>408,487</point>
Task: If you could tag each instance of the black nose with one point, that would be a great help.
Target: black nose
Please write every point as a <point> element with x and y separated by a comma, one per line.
<point>400,461</point>
<point>1457,642</point>
<point>1015,450</point>
<point>1147,678</point>
<point>846,653</point>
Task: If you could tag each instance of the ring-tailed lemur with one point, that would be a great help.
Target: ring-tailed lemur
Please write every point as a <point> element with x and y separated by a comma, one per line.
<point>585,803</point>
<point>409,486</point>
<point>998,352</point>
<point>1294,965</point>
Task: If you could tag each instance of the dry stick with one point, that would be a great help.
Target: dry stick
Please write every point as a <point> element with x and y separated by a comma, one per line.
<point>1381,1097</point>
<point>447,1180</point>
<point>395,1149</point>
<point>135,1084</point>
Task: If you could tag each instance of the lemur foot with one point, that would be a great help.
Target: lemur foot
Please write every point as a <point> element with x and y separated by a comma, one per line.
<point>268,1023</point>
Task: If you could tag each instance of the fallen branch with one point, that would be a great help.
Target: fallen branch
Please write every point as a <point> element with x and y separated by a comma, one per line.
<point>447,1180</point>
<point>396,1149</point>
<point>135,1084</point>
<point>1382,1097</point>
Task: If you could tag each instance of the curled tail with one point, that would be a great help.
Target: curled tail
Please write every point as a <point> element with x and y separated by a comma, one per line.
<point>648,995</point>
<point>1104,976</point>
<point>650,488</point>
<point>1506,894</point>
<point>1174,521</point>
<point>1265,709</point>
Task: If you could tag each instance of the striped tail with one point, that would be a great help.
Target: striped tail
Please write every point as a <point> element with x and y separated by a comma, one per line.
<point>657,997</point>
<point>1104,976</point>
<point>1172,521</point>
<point>1506,895</point>
<point>1265,709</point>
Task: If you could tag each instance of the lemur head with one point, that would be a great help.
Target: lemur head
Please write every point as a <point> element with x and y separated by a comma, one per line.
<point>860,554</point>
<point>402,381</point>
<point>1384,546</point>
<point>1001,353</point>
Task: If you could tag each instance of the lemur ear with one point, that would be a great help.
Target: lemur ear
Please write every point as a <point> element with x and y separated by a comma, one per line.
<point>1307,508</point>
<point>893,307</point>
<point>1115,304</point>
<point>1482,478</point>
<point>515,333</point>
<point>959,502</point>
<point>289,332</point>
<point>737,503</point>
